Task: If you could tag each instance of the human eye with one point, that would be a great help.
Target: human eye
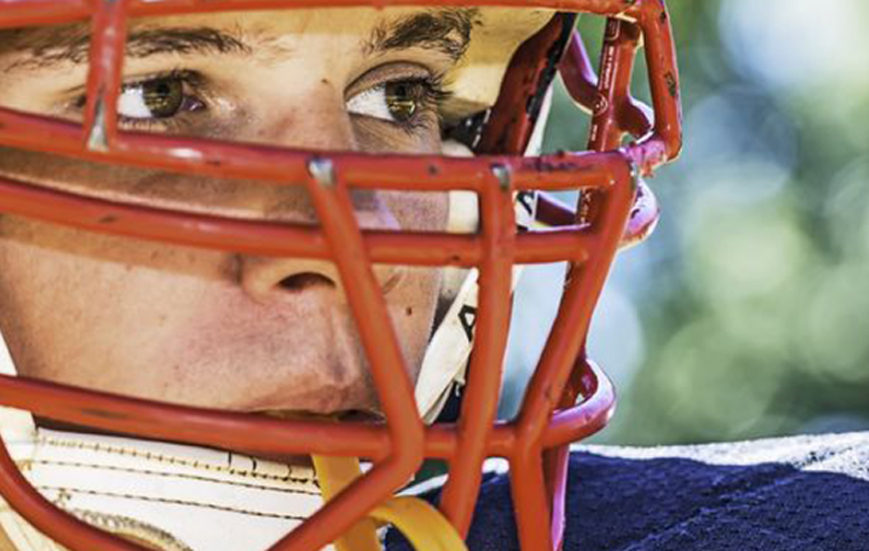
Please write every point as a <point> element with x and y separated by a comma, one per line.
<point>158,102</point>
<point>160,99</point>
<point>405,102</point>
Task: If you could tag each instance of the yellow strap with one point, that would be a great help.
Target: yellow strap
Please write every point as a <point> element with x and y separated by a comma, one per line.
<point>423,525</point>
<point>334,474</point>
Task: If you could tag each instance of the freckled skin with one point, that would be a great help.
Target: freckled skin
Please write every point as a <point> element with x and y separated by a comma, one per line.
<point>215,328</point>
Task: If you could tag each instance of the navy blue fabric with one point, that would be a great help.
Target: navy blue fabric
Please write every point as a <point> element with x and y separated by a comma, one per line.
<point>675,504</point>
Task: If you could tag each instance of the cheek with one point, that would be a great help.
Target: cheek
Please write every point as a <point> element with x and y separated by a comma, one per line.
<point>375,136</point>
<point>412,309</point>
<point>424,212</point>
<point>155,188</point>
<point>73,302</point>
<point>415,211</point>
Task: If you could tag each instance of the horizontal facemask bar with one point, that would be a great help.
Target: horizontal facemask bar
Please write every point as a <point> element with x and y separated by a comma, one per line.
<point>100,130</point>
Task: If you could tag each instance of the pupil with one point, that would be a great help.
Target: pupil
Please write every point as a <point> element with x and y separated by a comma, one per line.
<point>401,100</point>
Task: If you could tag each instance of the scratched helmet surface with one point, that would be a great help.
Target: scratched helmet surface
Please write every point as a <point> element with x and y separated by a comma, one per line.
<point>113,179</point>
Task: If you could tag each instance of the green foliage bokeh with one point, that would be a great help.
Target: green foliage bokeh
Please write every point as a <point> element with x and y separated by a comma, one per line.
<point>752,297</point>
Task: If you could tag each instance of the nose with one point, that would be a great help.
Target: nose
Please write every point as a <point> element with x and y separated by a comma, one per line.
<point>269,279</point>
<point>323,124</point>
<point>313,116</point>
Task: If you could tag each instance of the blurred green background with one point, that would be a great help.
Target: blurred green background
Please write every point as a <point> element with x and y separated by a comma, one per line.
<point>747,313</point>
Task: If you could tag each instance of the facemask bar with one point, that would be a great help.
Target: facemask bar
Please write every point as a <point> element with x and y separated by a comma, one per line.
<point>397,449</point>
<point>615,114</point>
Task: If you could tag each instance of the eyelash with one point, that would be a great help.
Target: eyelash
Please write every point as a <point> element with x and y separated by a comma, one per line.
<point>188,79</point>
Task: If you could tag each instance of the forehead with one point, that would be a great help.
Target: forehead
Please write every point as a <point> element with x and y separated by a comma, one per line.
<point>479,22</point>
<point>481,40</point>
<point>357,20</point>
<point>487,25</point>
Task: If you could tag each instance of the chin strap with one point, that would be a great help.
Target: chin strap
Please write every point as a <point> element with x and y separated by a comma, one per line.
<point>423,525</point>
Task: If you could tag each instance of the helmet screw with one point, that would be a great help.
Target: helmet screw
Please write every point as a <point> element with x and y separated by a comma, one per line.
<point>323,171</point>
<point>97,139</point>
<point>502,173</point>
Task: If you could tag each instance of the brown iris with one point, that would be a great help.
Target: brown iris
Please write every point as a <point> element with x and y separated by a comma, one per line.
<point>404,98</point>
<point>163,97</point>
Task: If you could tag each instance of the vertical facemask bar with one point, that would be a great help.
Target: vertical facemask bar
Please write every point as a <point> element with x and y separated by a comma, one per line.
<point>664,143</point>
<point>498,233</point>
<point>512,124</point>
<point>563,347</point>
<point>106,59</point>
<point>614,112</point>
<point>510,136</point>
<point>614,108</point>
<point>331,198</point>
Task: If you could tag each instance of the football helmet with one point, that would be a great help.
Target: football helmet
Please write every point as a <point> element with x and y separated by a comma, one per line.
<point>515,222</point>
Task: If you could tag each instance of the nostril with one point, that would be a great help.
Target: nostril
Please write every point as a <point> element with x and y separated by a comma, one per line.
<point>305,280</point>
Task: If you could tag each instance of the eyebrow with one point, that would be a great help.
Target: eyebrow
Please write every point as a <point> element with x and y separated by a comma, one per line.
<point>447,31</point>
<point>71,44</point>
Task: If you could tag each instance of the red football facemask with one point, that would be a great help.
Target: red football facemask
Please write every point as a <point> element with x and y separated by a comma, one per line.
<point>616,209</point>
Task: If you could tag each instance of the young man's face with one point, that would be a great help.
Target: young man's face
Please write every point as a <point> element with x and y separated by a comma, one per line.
<point>216,328</point>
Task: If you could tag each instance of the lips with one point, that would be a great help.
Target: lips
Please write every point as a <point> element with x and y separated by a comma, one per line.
<point>355,415</point>
<point>304,460</point>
